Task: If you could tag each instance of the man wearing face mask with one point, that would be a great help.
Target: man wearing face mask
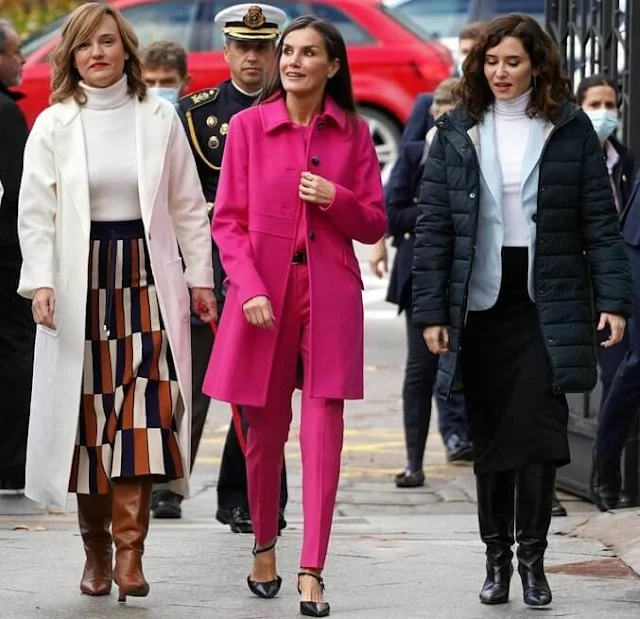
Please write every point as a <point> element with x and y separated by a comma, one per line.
<point>17,330</point>
<point>619,366</point>
<point>164,70</point>
<point>251,32</point>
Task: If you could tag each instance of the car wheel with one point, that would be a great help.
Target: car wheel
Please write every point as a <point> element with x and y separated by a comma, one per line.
<point>386,137</point>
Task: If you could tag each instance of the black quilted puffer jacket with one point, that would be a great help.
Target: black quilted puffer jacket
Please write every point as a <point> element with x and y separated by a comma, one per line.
<point>580,269</point>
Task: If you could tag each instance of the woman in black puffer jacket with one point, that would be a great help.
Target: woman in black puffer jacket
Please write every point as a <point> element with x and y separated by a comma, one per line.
<point>518,255</point>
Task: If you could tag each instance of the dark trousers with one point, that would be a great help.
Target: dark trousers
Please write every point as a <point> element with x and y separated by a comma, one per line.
<point>417,393</point>
<point>622,402</point>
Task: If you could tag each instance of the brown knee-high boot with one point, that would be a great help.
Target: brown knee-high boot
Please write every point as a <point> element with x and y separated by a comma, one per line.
<point>94,518</point>
<point>131,507</point>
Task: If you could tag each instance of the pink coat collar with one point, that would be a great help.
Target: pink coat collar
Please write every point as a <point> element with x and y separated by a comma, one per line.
<point>274,114</point>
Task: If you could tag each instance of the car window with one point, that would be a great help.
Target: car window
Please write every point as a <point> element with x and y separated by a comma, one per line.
<point>437,18</point>
<point>351,31</point>
<point>168,21</point>
<point>211,38</point>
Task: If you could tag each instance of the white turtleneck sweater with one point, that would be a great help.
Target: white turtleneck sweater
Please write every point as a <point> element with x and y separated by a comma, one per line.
<point>108,121</point>
<point>512,133</point>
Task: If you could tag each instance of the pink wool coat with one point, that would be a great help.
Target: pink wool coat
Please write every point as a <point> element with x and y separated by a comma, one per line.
<point>256,213</point>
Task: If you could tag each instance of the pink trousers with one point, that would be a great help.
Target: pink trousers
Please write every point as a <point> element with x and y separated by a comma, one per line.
<point>321,434</point>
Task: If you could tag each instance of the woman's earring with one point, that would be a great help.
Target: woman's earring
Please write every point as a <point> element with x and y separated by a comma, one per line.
<point>535,82</point>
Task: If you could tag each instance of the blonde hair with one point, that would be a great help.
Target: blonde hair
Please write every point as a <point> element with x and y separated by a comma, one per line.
<point>78,28</point>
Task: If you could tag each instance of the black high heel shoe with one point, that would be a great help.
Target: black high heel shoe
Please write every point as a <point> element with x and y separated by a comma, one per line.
<point>270,588</point>
<point>313,609</point>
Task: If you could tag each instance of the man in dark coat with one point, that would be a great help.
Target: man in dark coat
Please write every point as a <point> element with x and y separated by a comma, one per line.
<point>621,405</point>
<point>17,329</point>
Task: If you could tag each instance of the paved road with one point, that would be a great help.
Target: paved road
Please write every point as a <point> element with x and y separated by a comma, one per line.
<point>396,554</point>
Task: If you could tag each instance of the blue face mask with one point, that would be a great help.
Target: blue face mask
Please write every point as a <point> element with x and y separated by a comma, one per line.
<point>170,94</point>
<point>604,122</point>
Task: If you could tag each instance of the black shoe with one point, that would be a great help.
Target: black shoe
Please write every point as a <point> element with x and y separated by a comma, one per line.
<point>534,496</point>
<point>557,508</point>
<point>408,479</point>
<point>166,504</point>
<point>625,501</point>
<point>496,496</point>
<point>270,588</point>
<point>458,449</point>
<point>606,479</point>
<point>237,518</point>
<point>313,609</point>
<point>495,589</point>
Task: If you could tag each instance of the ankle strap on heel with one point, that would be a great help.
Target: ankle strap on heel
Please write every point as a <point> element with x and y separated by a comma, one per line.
<point>257,551</point>
<point>313,575</point>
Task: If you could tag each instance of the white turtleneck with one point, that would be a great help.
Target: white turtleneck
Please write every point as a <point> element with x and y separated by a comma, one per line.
<point>512,132</point>
<point>108,121</point>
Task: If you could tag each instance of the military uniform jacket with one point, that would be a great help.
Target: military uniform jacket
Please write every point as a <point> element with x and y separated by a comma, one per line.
<point>206,115</point>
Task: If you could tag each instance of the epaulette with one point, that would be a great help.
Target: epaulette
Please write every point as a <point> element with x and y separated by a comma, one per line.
<point>196,99</point>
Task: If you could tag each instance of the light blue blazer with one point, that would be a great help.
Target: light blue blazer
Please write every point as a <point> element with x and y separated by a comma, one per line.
<point>486,274</point>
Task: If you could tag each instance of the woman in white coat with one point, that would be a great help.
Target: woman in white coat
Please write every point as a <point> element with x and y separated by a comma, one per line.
<point>110,194</point>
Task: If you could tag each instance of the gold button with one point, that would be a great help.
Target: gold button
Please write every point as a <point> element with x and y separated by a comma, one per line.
<point>211,121</point>
<point>407,235</point>
<point>224,129</point>
<point>214,142</point>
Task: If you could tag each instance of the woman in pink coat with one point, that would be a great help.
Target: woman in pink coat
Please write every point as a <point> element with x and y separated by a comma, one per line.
<point>300,181</point>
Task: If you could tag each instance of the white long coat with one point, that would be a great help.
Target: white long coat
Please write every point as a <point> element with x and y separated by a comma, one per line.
<point>54,224</point>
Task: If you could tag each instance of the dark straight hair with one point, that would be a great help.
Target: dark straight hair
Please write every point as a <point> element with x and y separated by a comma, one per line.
<point>594,81</point>
<point>339,86</point>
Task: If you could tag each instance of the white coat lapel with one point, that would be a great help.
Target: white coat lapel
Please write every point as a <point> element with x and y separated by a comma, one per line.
<point>489,162</point>
<point>152,135</point>
<point>71,154</point>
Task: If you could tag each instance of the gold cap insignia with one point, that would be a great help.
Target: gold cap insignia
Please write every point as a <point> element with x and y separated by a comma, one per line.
<point>254,18</point>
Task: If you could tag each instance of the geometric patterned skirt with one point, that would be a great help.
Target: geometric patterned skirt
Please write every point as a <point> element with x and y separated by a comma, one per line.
<point>130,387</point>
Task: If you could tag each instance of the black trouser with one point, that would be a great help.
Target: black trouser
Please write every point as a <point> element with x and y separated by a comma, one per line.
<point>620,408</point>
<point>417,393</point>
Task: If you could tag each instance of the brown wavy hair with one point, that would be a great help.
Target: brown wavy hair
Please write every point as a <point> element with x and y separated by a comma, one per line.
<point>78,28</point>
<point>551,86</point>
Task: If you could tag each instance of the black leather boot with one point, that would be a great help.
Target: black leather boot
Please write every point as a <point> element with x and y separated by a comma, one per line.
<point>495,518</point>
<point>606,480</point>
<point>534,498</point>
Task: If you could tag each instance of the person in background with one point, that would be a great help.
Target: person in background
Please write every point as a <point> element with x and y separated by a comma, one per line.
<point>599,98</point>
<point>518,263</point>
<point>416,127</point>
<point>421,366</point>
<point>164,70</point>
<point>17,330</point>
<point>110,201</point>
<point>250,33</point>
<point>300,182</point>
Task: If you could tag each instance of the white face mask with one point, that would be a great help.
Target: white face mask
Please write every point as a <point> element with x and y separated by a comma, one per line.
<point>604,122</point>
<point>170,94</point>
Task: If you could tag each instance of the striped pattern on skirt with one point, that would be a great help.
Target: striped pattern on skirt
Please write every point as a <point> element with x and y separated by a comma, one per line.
<point>130,387</point>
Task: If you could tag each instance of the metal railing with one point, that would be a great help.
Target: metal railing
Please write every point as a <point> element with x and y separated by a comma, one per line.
<point>602,36</point>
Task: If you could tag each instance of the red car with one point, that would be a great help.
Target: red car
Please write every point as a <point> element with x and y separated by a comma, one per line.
<point>390,61</point>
